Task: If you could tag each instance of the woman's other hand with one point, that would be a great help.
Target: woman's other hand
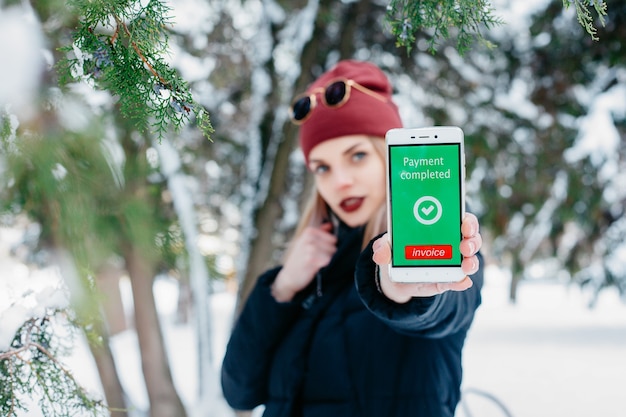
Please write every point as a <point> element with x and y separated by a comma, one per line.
<point>312,250</point>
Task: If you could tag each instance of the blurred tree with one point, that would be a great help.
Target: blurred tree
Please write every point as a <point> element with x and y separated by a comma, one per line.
<point>589,84</point>
<point>52,179</point>
<point>69,186</point>
<point>543,198</point>
<point>461,20</point>
<point>518,179</point>
<point>87,181</point>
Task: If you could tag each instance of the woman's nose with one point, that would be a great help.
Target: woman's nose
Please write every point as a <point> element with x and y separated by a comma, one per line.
<point>343,178</point>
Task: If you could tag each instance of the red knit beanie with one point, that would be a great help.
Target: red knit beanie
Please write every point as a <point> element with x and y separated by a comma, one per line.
<point>361,114</point>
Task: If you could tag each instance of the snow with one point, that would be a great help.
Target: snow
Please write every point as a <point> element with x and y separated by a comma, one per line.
<point>198,272</point>
<point>194,19</point>
<point>517,102</point>
<point>599,138</point>
<point>181,344</point>
<point>25,294</point>
<point>21,40</point>
<point>547,355</point>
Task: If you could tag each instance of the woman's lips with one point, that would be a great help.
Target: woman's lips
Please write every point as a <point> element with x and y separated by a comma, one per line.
<point>351,204</point>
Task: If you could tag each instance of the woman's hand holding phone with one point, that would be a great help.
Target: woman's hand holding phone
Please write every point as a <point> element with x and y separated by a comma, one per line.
<point>403,292</point>
<point>312,250</point>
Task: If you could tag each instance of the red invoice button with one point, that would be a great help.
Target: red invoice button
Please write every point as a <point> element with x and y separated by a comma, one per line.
<point>428,252</point>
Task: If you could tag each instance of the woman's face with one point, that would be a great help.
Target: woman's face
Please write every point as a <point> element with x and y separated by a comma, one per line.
<point>350,176</point>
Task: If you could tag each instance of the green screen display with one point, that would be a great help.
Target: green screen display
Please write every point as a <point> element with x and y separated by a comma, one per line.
<point>425,184</point>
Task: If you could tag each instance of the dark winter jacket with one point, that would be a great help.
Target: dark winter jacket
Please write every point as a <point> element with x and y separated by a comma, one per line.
<point>350,351</point>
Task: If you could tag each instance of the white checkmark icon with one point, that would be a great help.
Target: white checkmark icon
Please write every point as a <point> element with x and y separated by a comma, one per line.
<point>427,210</point>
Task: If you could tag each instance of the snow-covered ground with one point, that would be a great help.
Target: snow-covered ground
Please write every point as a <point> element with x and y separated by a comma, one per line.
<point>547,355</point>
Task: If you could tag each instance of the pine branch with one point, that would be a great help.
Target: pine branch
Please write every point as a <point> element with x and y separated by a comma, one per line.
<point>31,368</point>
<point>584,16</point>
<point>118,46</point>
<point>467,17</point>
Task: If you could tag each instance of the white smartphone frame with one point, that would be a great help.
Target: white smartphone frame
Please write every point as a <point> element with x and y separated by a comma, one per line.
<point>435,135</point>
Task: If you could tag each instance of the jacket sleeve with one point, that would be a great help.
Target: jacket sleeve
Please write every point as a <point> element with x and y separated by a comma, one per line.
<point>261,324</point>
<point>434,317</point>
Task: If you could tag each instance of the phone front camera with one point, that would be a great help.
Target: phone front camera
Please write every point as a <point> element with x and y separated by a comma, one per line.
<point>435,136</point>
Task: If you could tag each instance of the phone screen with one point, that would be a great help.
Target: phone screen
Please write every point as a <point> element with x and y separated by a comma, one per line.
<point>425,204</point>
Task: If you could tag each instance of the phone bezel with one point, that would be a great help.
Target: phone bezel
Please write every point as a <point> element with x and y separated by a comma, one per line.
<point>425,136</point>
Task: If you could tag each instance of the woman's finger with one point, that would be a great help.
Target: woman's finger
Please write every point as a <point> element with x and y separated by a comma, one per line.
<point>382,250</point>
<point>470,246</point>
<point>469,226</point>
<point>470,265</point>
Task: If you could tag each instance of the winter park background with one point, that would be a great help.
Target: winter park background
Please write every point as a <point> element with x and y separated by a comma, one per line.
<point>546,135</point>
<point>549,355</point>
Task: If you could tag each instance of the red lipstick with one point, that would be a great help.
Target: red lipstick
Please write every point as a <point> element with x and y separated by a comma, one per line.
<point>351,204</point>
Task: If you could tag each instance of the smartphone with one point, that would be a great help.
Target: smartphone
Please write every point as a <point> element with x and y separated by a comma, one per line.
<point>426,203</point>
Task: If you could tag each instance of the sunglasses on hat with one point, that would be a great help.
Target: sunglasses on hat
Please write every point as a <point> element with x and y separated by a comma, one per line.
<point>335,94</point>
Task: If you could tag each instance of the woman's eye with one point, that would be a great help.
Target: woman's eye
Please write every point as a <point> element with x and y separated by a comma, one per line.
<point>320,169</point>
<point>357,156</point>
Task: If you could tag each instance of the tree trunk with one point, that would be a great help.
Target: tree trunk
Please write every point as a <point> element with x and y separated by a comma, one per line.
<point>108,284</point>
<point>266,220</point>
<point>270,211</point>
<point>164,400</point>
<point>516,277</point>
<point>88,309</point>
<point>111,385</point>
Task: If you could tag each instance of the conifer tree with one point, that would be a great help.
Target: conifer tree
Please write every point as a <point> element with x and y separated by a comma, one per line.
<point>119,46</point>
<point>464,20</point>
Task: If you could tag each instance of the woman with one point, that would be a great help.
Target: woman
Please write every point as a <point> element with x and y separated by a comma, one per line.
<point>324,334</point>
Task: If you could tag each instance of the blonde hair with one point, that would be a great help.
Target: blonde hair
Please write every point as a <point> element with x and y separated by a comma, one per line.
<point>316,210</point>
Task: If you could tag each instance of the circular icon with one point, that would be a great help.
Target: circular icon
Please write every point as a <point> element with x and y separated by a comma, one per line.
<point>427,210</point>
